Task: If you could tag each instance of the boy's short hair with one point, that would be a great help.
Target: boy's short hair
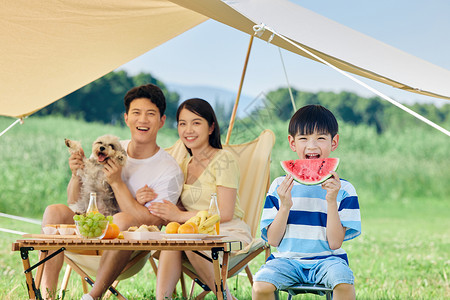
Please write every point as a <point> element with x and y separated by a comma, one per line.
<point>147,91</point>
<point>311,118</point>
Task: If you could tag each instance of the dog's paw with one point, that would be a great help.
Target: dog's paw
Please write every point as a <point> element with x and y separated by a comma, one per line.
<point>74,146</point>
<point>122,157</point>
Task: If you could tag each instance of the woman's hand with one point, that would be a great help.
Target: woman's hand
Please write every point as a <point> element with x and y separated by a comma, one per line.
<point>166,211</point>
<point>145,194</point>
<point>76,162</point>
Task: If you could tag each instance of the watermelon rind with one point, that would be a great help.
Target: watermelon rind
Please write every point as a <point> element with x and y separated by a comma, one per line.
<point>308,161</point>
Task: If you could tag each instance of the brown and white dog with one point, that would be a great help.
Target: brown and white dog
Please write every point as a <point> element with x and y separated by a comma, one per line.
<point>92,176</point>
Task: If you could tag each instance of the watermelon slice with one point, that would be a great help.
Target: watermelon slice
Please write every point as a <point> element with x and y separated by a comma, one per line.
<point>310,171</point>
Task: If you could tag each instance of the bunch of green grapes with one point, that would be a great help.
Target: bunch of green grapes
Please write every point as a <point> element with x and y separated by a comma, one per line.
<point>92,225</point>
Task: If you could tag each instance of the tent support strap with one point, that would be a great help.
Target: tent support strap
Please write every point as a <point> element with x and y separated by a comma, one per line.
<point>236,103</point>
<point>262,27</point>
<point>11,126</point>
<point>287,81</point>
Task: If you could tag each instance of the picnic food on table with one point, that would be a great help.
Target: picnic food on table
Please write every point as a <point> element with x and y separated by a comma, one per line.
<point>172,227</point>
<point>92,225</point>
<point>310,171</point>
<point>213,211</point>
<point>209,225</point>
<point>200,223</point>
<point>143,232</point>
<point>186,228</point>
<point>112,232</point>
<point>194,225</point>
<point>50,229</point>
<point>143,228</point>
<point>61,229</point>
<point>66,229</point>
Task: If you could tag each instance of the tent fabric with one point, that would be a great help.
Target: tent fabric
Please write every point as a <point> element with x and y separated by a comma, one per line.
<point>51,48</point>
<point>342,46</point>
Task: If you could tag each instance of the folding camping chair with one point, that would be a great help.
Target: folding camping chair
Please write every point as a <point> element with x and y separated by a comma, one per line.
<point>318,289</point>
<point>254,163</point>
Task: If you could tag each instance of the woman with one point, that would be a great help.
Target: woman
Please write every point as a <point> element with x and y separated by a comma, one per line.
<point>208,169</point>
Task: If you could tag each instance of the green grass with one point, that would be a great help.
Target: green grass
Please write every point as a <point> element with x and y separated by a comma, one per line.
<point>35,169</point>
<point>402,254</point>
<point>401,178</point>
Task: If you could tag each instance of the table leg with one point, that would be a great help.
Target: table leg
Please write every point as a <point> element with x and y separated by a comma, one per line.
<point>33,292</point>
<point>221,293</point>
<point>226,256</point>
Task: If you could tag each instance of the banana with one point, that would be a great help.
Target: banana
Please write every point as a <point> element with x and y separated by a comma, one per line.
<point>203,230</point>
<point>210,221</point>
<point>203,214</point>
<point>195,219</point>
<point>208,230</point>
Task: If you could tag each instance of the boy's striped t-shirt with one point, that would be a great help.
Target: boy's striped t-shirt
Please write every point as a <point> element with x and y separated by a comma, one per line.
<point>305,236</point>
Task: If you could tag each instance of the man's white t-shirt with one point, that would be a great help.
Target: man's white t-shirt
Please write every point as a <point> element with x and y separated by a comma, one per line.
<point>160,172</point>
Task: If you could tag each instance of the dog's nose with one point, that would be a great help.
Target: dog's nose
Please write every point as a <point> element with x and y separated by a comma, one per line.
<point>102,148</point>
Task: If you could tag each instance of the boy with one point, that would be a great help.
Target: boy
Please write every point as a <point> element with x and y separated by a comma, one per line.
<point>309,223</point>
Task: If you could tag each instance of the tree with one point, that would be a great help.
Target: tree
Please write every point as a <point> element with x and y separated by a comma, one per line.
<point>102,99</point>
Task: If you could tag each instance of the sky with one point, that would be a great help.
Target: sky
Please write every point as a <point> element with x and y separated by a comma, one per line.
<point>213,54</point>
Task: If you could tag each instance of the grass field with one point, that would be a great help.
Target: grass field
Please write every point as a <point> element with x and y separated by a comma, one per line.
<point>401,178</point>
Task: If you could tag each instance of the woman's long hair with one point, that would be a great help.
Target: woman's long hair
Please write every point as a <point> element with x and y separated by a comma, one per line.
<point>203,109</point>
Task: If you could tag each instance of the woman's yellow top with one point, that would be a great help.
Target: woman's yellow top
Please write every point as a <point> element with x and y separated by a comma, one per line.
<point>222,170</point>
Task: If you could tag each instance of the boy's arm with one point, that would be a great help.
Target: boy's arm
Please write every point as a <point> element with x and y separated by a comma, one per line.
<point>335,230</point>
<point>276,230</point>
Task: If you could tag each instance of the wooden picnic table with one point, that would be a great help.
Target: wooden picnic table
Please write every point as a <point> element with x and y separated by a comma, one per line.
<point>75,244</point>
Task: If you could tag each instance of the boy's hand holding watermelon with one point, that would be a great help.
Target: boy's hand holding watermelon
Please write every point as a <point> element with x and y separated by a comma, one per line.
<point>332,185</point>
<point>284,191</point>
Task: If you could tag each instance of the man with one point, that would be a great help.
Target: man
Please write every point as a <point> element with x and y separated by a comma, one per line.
<point>148,167</point>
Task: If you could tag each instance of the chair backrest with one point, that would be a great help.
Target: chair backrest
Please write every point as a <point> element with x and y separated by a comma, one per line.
<point>254,164</point>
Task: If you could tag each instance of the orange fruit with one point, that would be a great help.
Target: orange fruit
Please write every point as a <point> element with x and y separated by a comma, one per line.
<point>186,228</point>
<point>172,227</point>
<point>112,232</point>
<point>193,225</point>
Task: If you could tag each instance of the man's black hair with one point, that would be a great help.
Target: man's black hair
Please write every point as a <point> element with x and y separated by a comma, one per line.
<point>147,91</point>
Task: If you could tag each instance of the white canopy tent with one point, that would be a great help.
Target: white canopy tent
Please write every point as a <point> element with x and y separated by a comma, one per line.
<point>50,49</point>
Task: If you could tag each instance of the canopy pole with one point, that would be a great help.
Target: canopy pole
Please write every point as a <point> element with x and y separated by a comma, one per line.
<point>261,27</point>
<point>236,103</point>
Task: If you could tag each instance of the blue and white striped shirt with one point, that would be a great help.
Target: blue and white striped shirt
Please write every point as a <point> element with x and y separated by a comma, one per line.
<point>305,237</point>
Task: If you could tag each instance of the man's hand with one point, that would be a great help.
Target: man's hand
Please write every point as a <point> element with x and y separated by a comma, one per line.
<point>112,171</point>
<point>284,192</point>
<point>76,162</point>
<point>145,194</point>
<point>166,211</point>
<point>332,185</point>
